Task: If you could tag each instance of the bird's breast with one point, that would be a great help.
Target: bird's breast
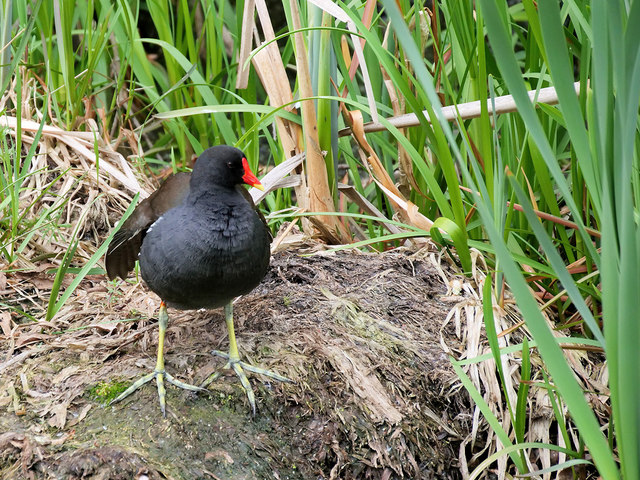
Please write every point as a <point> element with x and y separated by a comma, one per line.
<point>203,259</point>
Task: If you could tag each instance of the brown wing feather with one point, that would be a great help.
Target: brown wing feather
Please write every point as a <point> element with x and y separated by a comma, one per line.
<point>125,245</point>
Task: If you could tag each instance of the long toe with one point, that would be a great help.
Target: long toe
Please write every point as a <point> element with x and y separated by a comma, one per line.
<point>244,381</point>
<point>185,386</point>
<point>238,367</point>
<point>160,376</point>
<point>134,386</point>
<point>162,393</point>
<point>251,368</point>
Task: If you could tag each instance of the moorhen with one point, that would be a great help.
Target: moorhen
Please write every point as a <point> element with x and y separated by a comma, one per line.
<point>201,243</point>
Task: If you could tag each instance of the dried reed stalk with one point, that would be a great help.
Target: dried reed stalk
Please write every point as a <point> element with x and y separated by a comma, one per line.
<point>466,111</point>
<point>407,210</point>
<point>320,199</point>
<point>271,72</point>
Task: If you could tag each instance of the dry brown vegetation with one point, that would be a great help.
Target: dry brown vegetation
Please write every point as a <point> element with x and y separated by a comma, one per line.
<point>365,337</point>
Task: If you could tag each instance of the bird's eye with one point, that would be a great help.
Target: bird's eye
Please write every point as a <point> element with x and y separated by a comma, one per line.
<point>230,164</point>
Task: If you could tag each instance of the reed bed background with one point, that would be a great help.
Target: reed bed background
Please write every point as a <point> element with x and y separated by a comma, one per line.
<point>543,194</point>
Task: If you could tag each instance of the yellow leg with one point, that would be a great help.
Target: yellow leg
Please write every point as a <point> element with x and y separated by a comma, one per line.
<point>238,366</point>
<point>159,372</point>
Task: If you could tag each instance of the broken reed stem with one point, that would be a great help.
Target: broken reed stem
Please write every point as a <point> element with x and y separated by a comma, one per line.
<point>465,111</point>
<point>320,199</point>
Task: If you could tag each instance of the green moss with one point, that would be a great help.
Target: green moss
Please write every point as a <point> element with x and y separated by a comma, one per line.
<point>104,392</point>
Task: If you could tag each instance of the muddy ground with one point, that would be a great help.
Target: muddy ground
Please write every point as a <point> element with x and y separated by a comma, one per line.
<point>361,336</point>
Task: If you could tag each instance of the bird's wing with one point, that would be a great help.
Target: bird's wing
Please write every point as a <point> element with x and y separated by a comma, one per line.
<point>125,245</point>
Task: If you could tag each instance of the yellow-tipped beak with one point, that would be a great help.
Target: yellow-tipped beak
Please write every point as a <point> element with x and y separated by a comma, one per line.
<point>249,178</point>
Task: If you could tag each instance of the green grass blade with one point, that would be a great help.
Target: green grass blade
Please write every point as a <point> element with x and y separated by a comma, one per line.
<point>51,312</point>
<point>492,420</point>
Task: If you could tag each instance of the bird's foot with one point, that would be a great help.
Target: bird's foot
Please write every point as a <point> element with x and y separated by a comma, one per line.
<point>238,367</point>
<point>160,376</point>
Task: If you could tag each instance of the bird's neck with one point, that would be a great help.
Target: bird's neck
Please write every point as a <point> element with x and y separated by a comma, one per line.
<point>218,195</point>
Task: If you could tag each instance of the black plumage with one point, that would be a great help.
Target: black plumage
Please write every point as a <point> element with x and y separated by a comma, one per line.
<point>201,243</point>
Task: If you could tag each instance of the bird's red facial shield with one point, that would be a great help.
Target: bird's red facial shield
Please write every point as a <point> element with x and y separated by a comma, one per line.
<point>249,178</point>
